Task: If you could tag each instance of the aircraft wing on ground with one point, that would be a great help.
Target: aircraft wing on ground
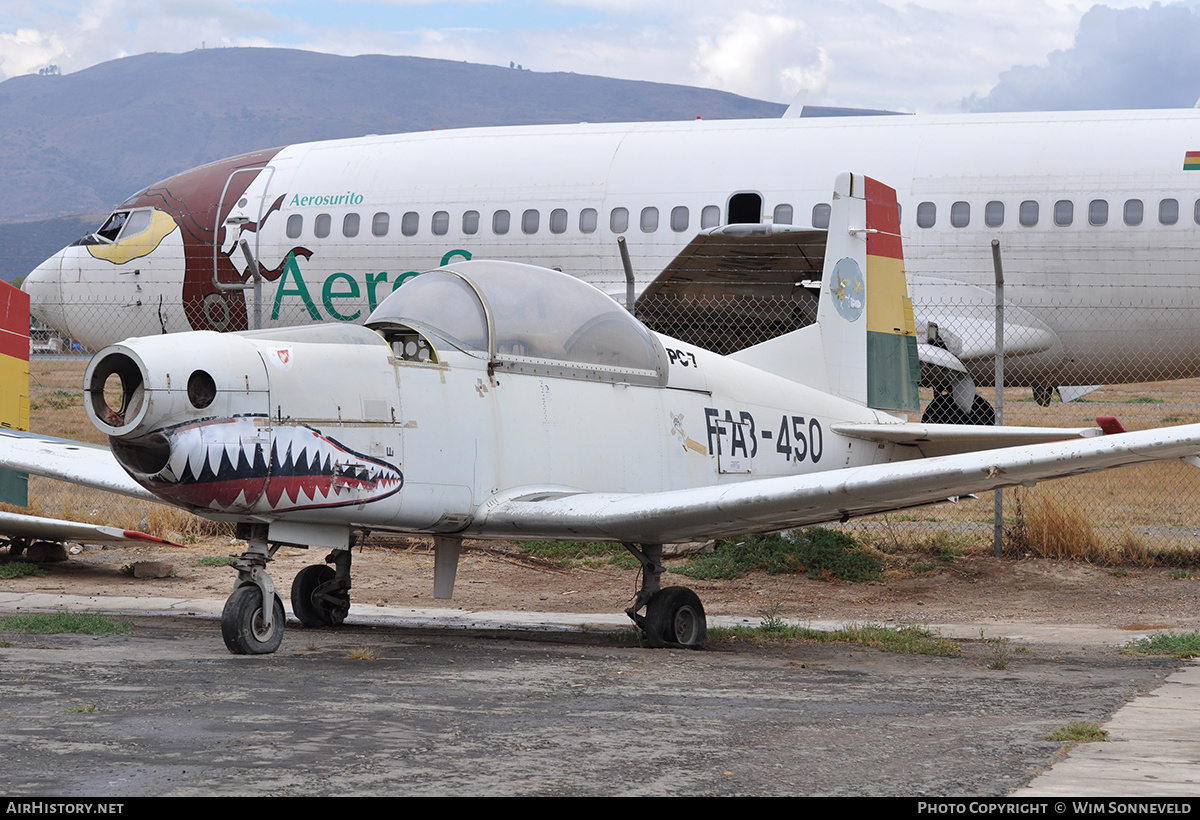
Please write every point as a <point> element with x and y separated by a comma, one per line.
<point>90,465</point>
<point>35,528</point>
<point>745,279</point>
<point>778,503</point>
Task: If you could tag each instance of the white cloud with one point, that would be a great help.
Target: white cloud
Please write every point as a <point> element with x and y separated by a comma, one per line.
<point>762,55</point>
<point>27,50</point>
<point>899,54</point>
<point>1127,58</point>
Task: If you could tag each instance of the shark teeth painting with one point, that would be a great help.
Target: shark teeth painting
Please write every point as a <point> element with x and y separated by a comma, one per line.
<point>245,465</point>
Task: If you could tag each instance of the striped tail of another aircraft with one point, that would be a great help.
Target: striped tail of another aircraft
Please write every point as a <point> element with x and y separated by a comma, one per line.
<point>863,346</point>
<point>14,382</point>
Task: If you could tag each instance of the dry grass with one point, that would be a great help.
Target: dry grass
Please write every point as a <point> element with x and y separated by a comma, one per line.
<point>1045,527</point>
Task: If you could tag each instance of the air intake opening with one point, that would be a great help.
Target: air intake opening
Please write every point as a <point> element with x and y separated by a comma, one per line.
<point>116,390</point>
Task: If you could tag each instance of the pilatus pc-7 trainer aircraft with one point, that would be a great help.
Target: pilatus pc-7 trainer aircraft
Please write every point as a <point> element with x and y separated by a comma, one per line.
<point>500,400</point>
<point>1098,212</point>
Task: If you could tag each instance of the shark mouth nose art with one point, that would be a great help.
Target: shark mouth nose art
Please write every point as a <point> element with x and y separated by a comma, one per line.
<point>245,465</point>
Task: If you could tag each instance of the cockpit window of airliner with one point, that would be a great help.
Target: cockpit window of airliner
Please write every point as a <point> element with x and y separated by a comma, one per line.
<point>112,226</point>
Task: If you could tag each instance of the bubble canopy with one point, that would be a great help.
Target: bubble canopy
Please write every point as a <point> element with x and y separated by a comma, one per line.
<point>527,319</point>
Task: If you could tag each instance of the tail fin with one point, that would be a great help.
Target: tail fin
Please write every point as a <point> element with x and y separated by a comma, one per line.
<point>14,382</point>
<point>863,346</point>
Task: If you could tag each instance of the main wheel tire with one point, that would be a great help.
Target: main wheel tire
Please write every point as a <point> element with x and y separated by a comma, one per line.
<point>675,617</point>
<point>242,624</point>
<point>317,612</point>
<point>945,410</point>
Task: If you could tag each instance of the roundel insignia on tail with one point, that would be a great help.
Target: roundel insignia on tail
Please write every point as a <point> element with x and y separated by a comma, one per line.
<point>848,289</point>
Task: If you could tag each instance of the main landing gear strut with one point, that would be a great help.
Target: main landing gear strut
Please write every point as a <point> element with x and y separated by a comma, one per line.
<point>674,615</point>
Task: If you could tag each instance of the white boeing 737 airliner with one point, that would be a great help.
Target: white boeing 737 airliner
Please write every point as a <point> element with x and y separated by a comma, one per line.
<point>1098,212</point>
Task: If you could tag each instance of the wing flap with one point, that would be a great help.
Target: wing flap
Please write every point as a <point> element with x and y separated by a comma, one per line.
<point>779,503</point>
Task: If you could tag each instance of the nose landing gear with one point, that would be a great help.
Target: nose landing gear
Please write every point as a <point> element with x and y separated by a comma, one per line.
<point>252,620</point>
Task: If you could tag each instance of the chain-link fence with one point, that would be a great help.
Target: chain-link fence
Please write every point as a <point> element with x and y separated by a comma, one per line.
<point>1139,344</point>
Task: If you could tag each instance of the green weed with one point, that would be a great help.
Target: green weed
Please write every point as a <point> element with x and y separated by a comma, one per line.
<point>1079,732</point>
<point>57,400</point>
<point>216,561</point>
<point>819,553</point>
<point>572,553</point>
<point>913,640</point>
<point>56,623</point>
<point>1178,644</point>
<point>16,569</point>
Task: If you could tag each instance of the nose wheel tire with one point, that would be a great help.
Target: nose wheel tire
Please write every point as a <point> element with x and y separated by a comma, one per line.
<point>243,626</point>
<point>313,609</point>
<point>675,618</point>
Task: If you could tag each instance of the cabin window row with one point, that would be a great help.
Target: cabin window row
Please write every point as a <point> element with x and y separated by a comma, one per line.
<point>1062,214</point>
<point>648,220</point>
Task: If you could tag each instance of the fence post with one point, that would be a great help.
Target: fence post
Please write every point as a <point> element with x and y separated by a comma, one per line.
<point>998,518</point>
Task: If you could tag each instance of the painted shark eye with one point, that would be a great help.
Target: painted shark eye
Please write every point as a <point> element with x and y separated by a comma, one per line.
<point>201,389</point>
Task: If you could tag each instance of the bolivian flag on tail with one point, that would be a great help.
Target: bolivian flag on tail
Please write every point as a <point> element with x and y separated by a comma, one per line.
<point>893,370</point>
<point>1191,161</point>
<point>14,382</point>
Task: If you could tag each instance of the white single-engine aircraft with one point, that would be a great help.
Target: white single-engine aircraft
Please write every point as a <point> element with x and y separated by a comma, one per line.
<point>1098,211</point>
<point>501,400</point>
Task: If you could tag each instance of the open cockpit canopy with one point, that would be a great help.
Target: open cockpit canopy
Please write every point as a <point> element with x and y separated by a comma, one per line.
<point>525,319</point>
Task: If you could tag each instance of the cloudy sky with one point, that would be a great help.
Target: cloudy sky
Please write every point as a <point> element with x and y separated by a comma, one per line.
<point>909,55</point>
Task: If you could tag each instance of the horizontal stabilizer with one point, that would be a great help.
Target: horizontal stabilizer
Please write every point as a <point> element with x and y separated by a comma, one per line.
<point>950,439</point>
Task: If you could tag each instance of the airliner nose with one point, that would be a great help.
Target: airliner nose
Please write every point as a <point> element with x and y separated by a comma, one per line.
<point>44,286</point>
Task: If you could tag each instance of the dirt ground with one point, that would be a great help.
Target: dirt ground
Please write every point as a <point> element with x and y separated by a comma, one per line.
<point>493,576</point>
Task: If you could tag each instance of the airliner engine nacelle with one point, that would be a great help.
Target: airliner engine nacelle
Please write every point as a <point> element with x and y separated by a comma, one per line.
<point>216,422</point>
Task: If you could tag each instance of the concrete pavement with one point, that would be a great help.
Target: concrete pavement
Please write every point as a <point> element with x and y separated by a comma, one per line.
<point>1153,747</point>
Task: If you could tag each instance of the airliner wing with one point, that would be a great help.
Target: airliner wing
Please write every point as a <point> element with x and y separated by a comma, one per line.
<point>90,465</point>
<point>769,504</point>
<point>746,278</point>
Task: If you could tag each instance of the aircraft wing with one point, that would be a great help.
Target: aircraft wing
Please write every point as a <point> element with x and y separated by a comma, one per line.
<point>90,465</point>
<point>934,440</point>
<point>763,505</point>
<point>52,529</point>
